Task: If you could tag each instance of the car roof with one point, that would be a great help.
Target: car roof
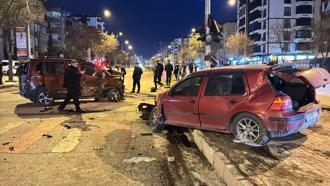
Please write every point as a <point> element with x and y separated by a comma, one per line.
<point>236,67</point>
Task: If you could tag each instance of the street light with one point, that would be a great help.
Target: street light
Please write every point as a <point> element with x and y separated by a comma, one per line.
<point>193,30</point>
<point>121,34</point>
<point>231,2</point>
<point>169,46</point>
<point>130,47</point>
<point>107,13</point>
<point>126,42</point>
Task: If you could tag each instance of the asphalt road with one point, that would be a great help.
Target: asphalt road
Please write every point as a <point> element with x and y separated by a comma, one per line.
<point>40,146</point>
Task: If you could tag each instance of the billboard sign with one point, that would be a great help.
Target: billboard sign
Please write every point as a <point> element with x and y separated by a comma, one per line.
<point>21,42</point>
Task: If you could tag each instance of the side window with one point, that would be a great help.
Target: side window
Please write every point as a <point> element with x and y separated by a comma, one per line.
<point>53,68</point>
<point>225,84</point>
<point>89,69</point>
<point>188,87</point>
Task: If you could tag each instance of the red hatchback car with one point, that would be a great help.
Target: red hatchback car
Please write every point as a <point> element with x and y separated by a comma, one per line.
<point>254,102</point>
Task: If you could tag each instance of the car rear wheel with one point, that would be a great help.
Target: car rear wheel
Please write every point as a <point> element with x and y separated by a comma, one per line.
<point>250,130</point>
<point>43,98</point>
<point>156,123</point>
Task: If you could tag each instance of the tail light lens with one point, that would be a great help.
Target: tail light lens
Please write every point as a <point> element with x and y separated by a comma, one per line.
<point>282,103</point>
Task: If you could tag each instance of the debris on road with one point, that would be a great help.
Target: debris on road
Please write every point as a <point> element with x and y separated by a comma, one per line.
<point>133,136</point>
<point>170,159</point>
<point>66,125</point>
<point>91,118</point>
<point>145,110</point>
<point>11,148</point>
<point>6,143</point>
<point>98,148</point>
<point>146,134</point>
<point>139,159</point>
<point>47,135</point>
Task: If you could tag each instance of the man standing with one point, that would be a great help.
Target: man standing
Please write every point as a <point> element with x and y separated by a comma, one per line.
<point>169,70</point>
<point>137,77</point>
<point>72,83</point>
<point>160,71</point>
<point>122,70</point>
<point>191,67</point>
<point>176,71</point>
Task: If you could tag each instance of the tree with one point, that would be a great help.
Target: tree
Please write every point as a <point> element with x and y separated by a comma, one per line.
<point>108,44</point>
<point>321,42</point>
<point>14,13</point>
<point>281,35</point>
<point>238,42</point>
<point>192,49</point>
<point>75,46</point>
<point>117,56</point>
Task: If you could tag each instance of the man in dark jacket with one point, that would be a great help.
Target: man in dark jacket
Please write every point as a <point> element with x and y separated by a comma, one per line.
<point>160,69</point>
<point>191,67</point>
<point>169,70</point>
<point>137,77</point>
<point>176,71</point>
<point>72,83</point>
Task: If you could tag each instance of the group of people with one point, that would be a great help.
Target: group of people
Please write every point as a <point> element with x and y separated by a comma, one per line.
<point>72,79</point>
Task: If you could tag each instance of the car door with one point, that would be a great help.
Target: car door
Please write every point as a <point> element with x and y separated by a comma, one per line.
<point>90,80</point>
<point>53,77</point>
<point>181,105</point>
<point>223,93</point>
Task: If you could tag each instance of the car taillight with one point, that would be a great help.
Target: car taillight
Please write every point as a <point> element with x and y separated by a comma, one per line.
<point>282,103</point>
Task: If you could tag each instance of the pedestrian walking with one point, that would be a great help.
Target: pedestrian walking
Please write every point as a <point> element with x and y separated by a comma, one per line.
<point>176,71</point>
<point>195,67</point>
<point>137,77</point>
<point>72,83</point>
<point>160,71</point>
<point>184,71</point>
<point>169,70</point>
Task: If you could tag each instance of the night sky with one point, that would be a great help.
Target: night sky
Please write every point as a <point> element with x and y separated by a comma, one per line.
<point>148,23</point>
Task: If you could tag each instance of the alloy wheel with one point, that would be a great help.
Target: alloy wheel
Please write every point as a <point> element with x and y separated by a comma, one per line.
<point>248,130</point>
<point>45,99</point>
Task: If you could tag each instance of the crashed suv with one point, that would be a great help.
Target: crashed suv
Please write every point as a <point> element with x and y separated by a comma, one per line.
<point>41,81</point>
<point>253,102</point>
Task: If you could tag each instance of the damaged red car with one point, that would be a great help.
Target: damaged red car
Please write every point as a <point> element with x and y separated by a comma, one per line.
<point>253,102</point>
<point>41,81</point>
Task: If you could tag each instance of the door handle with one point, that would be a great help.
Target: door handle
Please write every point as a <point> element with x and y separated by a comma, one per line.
<point>233,102</point>
<point>193,101</point>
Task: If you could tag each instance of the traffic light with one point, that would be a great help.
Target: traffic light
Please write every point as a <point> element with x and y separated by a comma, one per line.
<point>215,32</point>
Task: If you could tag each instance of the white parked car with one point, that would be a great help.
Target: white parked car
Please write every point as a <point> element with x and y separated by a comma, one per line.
<point>5,66</point>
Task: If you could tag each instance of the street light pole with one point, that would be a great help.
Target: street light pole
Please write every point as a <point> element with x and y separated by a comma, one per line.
<point>206,27</point>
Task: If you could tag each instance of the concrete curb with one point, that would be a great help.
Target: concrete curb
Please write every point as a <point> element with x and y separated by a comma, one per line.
<point>226,171</point>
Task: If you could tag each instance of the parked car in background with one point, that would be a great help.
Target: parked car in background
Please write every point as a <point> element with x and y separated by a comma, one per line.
<point>5,66</point>
<point>42,81</point>
<point>253,102</point>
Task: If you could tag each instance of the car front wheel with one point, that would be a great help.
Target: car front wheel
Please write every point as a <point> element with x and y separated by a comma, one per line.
<point>156,123</point>
<point>250,130</point>
<point>114,95</point>
<point>43,98</point>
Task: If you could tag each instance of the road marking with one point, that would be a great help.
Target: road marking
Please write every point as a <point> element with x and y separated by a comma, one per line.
<point>69,143</point>
<point>8,127</point>
<point>28,138</point>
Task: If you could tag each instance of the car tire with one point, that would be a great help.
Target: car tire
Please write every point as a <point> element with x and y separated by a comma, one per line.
<point>114,95</point>
<point>156,123</point>
<point>250,130</point>
<point>42,97</point>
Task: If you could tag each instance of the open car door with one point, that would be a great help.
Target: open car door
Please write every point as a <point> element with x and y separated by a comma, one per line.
<point>315,77</point>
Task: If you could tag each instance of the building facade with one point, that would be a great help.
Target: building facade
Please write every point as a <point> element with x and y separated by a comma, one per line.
<point>175,45</point>
<point>56,32</point>
<point>281,30</point>
<point>92,21</point>
<point>39,40</point>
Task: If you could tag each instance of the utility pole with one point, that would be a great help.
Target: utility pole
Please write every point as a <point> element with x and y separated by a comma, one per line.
<point>206,26</point>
